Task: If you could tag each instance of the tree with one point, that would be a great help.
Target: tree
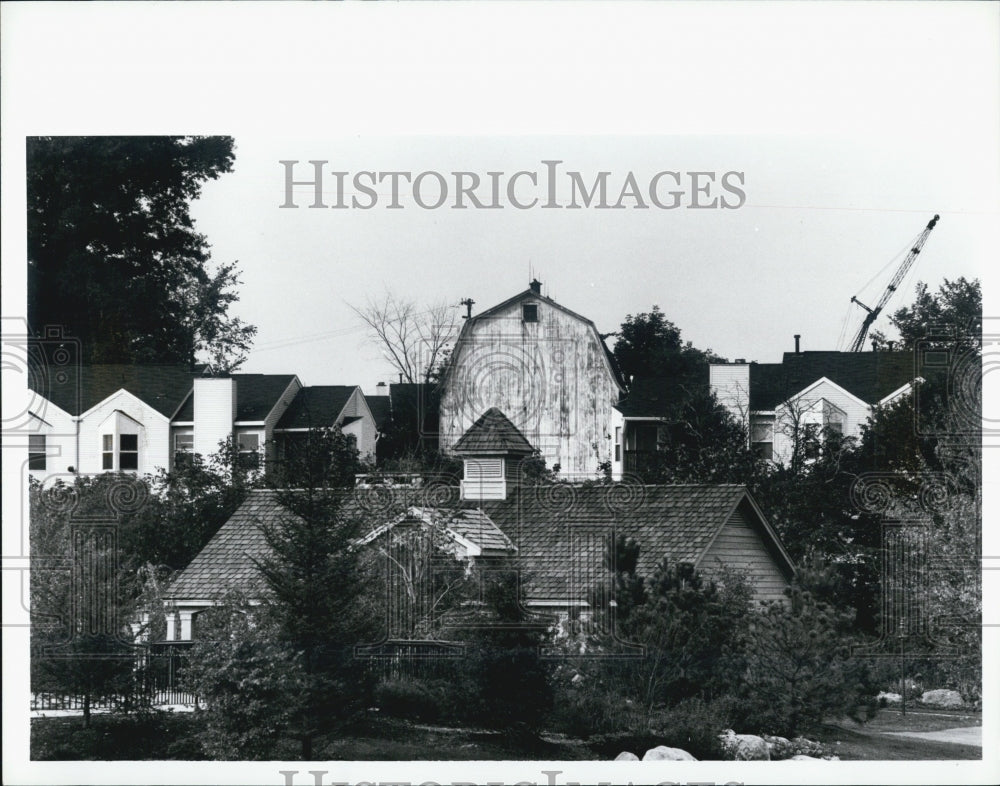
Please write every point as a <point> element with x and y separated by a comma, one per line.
<point>415,343</point>
<point>113,254</point>
<point>513,681</point>
<point>957,307</point>
<point>318,593</point>
<point>650,345</point>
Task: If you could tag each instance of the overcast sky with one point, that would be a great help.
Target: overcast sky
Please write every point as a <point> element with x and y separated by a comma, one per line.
<point>825,217</point>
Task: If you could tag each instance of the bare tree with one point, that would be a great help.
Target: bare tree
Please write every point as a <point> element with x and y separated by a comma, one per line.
<point>414,342</point>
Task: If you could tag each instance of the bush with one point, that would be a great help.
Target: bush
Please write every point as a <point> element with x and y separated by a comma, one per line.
<point>421,700</point>
<point>799,671</point>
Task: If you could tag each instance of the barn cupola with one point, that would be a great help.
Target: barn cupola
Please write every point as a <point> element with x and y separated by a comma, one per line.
<point>492,449</point>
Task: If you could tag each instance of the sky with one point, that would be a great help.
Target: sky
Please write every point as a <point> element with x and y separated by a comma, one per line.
<point>825,217</point>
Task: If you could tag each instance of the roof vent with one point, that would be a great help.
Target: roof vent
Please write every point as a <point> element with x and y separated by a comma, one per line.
<point>797,337</point>
<point>535,286</point>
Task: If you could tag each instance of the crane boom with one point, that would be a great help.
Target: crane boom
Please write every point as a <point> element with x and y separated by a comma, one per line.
<point>900,274</point>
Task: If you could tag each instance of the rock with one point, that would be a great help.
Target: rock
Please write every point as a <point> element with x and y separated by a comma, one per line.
<point>807,747</point>
<point>889,698</point>
<point>744,747</point>
<point>942,698</point>
<point>577,679</point>
<point>778,747</point>
<point>803,757</point>
<point>663,753</point>
<point>626,756</point>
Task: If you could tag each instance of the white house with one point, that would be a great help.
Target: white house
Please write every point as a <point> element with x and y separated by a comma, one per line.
<point>118,418</point>
<point>809,392</point>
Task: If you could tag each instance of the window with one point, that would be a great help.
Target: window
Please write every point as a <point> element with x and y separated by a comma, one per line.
<point>248,445</point>
<point>529,312</point>
<point>36,451</point>
<point>183,450</point>
<point>108,451</point>
<point>764,450</point>
<point>762,439</point>
<point>128,451</point>
<point>618,443</point>
<point>810,441</point>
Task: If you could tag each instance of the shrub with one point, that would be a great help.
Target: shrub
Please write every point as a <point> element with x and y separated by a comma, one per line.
<point>799,670</point>
<point>422,700</point>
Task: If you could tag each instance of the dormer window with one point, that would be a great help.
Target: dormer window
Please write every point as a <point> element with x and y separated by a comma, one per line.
<point>529,312</point>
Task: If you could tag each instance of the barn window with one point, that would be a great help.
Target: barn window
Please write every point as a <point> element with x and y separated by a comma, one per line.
<point>529,312</point>
<point>36,451</point>
<point>484,469</point>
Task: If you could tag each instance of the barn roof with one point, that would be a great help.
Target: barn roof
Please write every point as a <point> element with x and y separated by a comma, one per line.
<point>492,434</point>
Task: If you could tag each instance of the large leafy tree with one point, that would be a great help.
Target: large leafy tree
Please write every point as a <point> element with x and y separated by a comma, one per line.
<point>650,345</point>
<point>952,315</point>
<point>113,255</point>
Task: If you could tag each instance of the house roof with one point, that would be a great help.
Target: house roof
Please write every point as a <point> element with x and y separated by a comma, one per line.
<point>493,434</point>
<point>652,397</point>
<point>162,387</point>
<point>469,524</point>
<point>256,395</point>
<point>380,409</point>
<point>549,526</point>
<point>316,406</point>
<point>871,376</point>
<point>559,532</point>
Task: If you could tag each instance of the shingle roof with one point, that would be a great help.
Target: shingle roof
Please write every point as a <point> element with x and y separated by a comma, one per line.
<point>256,395</point>
<point>315,406</point>
<point>380,409</point>
<point>163,387</point>
<point>493,433</point>
<point>559,531</point>
<point>871,376</point>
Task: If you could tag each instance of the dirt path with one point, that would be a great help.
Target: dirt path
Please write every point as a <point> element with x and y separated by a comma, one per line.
<point>969,735</point>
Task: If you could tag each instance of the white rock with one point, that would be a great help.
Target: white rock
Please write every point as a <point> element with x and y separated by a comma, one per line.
<point>942,698</point>
<point>663,753</point>
<point>745,747</point>
<point>889,698</point>
<point>626,756</point>
<point>803,757</point>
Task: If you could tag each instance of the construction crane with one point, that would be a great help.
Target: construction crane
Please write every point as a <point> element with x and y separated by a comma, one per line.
<point>900,274</point>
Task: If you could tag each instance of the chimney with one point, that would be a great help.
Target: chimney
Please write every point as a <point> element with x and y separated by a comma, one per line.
<point>381,389</point>
<point>740,361</point>
<point>797,337</point>
<point>535,286</point>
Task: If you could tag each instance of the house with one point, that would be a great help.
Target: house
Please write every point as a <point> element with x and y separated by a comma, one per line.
<point>548,369</point>
<point>558,535</point>
<point>325,406</point>
<point>132,418</point>
<point>809,392</point>
<point>406,419</point>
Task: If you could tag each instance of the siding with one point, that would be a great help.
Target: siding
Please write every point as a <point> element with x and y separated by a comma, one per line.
<point>152,427</point>
<point>809,409</point>
<point>357,407</point>
<point>214,410</point>
<point>550,378</point>
<point>275,415</point>
<point>739,545</point>
<point>731,385</point>
<point>59,430</point>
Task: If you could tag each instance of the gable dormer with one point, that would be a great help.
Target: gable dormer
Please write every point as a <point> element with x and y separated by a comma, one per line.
<point>491,450</point>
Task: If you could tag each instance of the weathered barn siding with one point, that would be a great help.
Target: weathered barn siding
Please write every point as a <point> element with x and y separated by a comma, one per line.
<point>551,378</point>
<point>741,547</point>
